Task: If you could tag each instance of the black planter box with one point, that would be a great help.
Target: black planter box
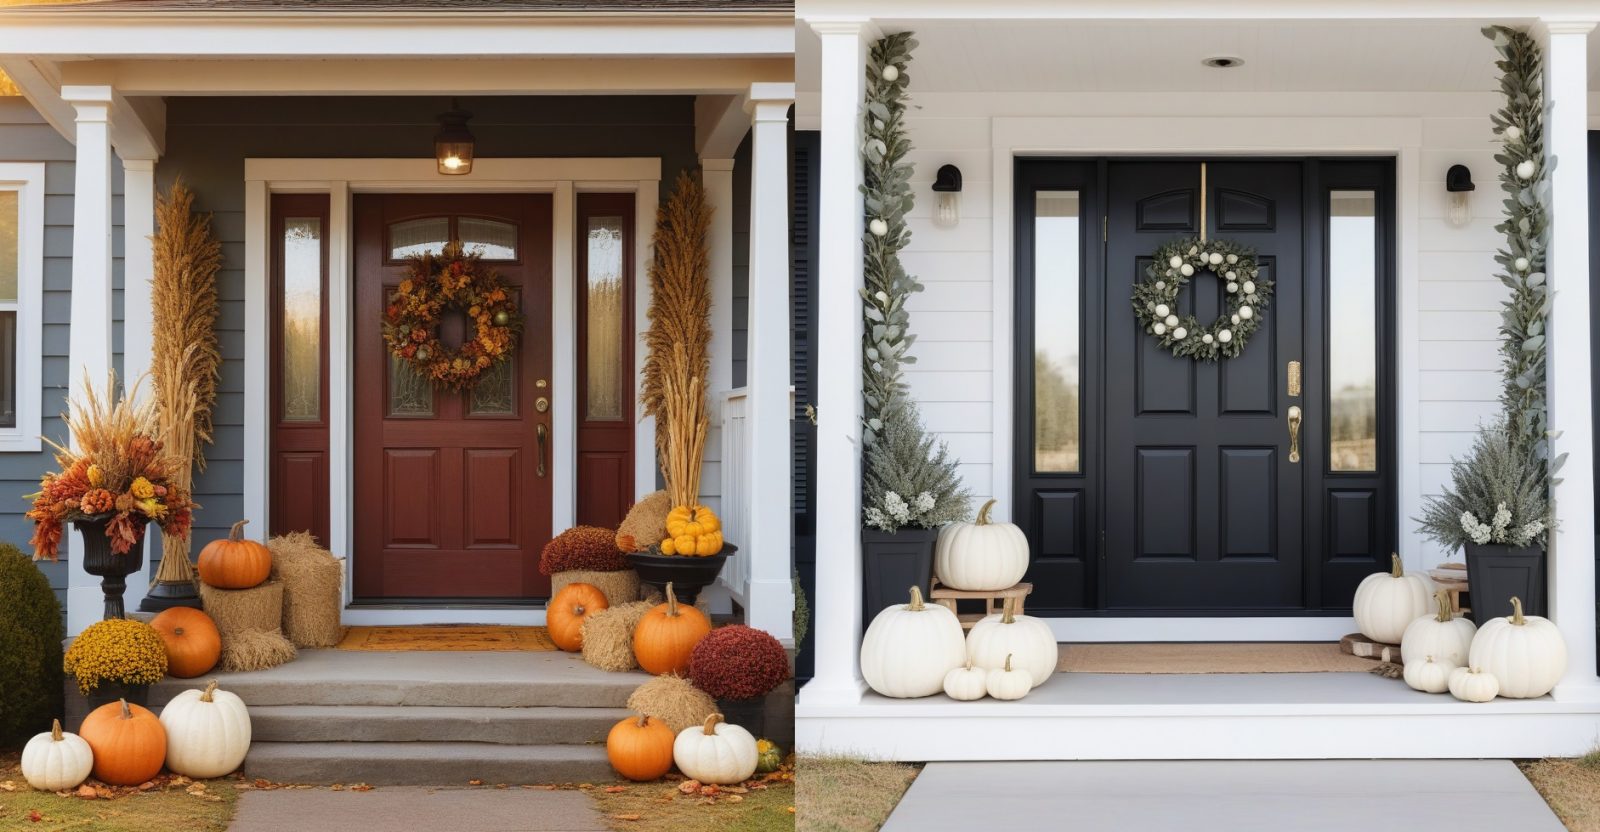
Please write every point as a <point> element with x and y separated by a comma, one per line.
<point>893,562</point>
<point>1496,572</point>
<point>770,717</point>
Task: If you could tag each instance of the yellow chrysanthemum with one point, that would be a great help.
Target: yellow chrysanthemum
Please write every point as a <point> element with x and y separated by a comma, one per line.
<point>153,509</point>
<point>97,477</point>
<point>142,489</point>
<point>116,650</point>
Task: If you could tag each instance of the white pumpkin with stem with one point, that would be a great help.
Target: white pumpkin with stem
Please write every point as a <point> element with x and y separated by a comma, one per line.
<point>208,732</point>
<point>716,752</point>
<point>1469,684</point>
<point>981,556</point>
<point>1428,674</point>
<point>1526,654</point>
<point>56,760</point>
<point>909,648</point>
<point>1007,682</point>
<point>1030,639</point>
<point>1443,635</point>
<point>966,684</point>
<point>1387,602</point>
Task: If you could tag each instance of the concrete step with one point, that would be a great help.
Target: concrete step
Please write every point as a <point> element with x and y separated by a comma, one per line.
<point>426,763</point>
<point>413,723</point>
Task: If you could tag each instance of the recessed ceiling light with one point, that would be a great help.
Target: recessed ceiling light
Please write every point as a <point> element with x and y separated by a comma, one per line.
<point>1223,62</point>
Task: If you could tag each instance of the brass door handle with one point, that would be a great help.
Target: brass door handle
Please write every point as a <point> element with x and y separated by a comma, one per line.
<point>544,435</point>
<point>1294,432</point>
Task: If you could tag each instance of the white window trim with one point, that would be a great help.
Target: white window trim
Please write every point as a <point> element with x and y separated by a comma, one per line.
<point>27,179</point>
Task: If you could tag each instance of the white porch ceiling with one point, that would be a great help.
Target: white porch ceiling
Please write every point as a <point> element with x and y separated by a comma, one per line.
<point>1164,56</point>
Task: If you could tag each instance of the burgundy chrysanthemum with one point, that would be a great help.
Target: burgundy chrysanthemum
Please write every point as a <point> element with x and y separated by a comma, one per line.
<point>738,662</point>
<point>582,547</point>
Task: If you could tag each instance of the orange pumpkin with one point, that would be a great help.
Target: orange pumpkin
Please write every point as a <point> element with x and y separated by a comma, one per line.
<point>128,742</point>
<point>193,643</point>
<point>235,563</point>
<point>640,748</point>
<point>664,638</point>
<point>567,612</point>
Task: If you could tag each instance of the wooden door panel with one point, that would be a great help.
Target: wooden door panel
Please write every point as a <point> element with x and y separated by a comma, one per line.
<point>1249,511</point>
<point>494,497</point>
<point>411,509</point>
<point>1165,513</point>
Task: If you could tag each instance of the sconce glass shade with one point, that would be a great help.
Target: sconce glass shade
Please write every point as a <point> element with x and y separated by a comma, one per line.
<point>1458,209</point>
<point>947,209</point>
<point>452,145</point>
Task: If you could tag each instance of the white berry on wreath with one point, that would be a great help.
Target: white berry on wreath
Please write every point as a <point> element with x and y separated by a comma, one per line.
<point>1188,270</point>
<point>1234,319</point>
<point>1232,287</point>
<point>1225,336</point>
<point>1179,334</point>
<point>878,228</point>
<point>1162,310</point>
<point>1215,259</point>
<point>1160,285</point>
<point>1206,338</point>
<point>1159,328</point>
<point>1513,133</point>
<point>1526,169</point>
<point>1521,264</point>
<point>1249,287</point>
<point>1175,262</point>
<point>1172,320</point>
<point>891,73</point>
<point>1245,312</point>
<point>1232,259</point>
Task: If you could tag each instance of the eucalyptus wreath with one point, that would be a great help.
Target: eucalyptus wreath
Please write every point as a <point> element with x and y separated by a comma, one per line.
<point>1155,299</point>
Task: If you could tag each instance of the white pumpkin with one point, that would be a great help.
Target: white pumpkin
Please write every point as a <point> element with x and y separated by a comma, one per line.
<point>56,760</point>
<point>982,556</point>
<point>1429,675</point>
<point>966,684</point>
<point>208,732</point>
<point>1442,635</point>
<point>715,752</point>
<point>909,648</point>
<point>1469,684</point>
<point>1006,682</point>
<point>1386,602</point>
<point>1526,654</point>
<point>1030,639</point>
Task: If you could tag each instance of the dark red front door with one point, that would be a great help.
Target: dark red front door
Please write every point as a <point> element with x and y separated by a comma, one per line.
<point>452,490</point>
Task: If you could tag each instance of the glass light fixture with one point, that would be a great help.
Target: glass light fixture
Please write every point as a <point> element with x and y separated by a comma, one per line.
<point>452,145</point>
<point>947,187</point>
<point>1458,182</point>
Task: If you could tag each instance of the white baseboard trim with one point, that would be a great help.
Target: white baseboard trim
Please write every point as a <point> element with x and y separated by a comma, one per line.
<point>379,617</point>
<point>1200,629</point>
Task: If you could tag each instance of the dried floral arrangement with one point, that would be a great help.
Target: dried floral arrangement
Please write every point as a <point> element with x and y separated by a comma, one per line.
<point>117,470</point>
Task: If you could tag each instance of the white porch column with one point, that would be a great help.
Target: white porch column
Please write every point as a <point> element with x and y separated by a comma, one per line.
<point>1572,549</point>
<point>837,600</point>
<point>89,341</point>
<point>770,604</point>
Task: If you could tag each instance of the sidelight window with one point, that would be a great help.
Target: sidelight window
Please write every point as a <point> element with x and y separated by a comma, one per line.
<point>302,319</point>
<point>1353,331</point>
<point>605,299</point>
<point>1057,332</point>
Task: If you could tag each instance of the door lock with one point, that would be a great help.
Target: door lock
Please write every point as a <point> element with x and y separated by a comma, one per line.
<point>541,404</point>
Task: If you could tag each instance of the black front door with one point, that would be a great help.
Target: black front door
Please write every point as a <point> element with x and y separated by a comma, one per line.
<point>1203,503</point>
<point>1155,485</point>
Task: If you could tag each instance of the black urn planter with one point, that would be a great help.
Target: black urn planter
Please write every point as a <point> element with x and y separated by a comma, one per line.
<point>892,563</point>
<point>112,569</point>
<point>687,574</point>
<point>164,595</point>
<point>1496,572</point>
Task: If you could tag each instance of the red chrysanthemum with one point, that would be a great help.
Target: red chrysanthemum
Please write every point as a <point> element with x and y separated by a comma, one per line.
<point>582,547</point>
<point>738,662</point>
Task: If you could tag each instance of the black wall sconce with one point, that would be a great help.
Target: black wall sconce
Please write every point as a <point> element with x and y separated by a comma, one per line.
<point>1458,183</point>
<point>947,185</point>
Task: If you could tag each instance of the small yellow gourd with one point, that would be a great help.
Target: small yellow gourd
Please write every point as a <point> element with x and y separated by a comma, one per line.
<point>692,531</point>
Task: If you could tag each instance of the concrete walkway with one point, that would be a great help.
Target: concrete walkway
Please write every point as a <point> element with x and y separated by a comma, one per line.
<point>1243,796</point>
<point>407,808</point>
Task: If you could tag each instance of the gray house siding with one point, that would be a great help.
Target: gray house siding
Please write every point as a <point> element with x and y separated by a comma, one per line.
<point>25,137</point>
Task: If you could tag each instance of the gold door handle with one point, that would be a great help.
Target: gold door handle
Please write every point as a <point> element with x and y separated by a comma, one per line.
<point>1294,433</point>
<point>544,435</point>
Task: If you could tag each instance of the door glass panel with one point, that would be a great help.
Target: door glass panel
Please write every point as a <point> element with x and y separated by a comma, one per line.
<point>10,261</point>
<point>1057,324</point>
<point>302,319</point>
<point>412,237</point>
<point>1353,331</point>
<point>495,394</point>
<point>8,369</point>
<point>410,392</point>
<point>493,239</point>
<point>604,322</point>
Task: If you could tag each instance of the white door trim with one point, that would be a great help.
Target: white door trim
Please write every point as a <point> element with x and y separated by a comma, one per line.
<point>1278,135</point>
<point>340,179</point>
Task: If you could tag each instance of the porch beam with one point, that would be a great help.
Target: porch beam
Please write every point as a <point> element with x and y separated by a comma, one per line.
<point>720,124</point>
<point>342,75</point>
<point>41,86</point>
<point>770,598</point>
<point>89,339</point>
<point>837,600</point>
<point>1569,375</point>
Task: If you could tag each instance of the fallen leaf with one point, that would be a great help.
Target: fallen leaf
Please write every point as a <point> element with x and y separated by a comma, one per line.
<point>733,798</point>
<point>147,785</point>
<point>502,786</point>
<point>86,792</point>
<point>616,789</point>
<point>791,810</point>
<point>361,787</point>
<point>34,815</point>
<point>7,786</point>
<point>629,816</point>
<point>475,782</point>
<point>336,787</point>
<point>263,784</point>
<point>689,787</point>
<point>709,791</point>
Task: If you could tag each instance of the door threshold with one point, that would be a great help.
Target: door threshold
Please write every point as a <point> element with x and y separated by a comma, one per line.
<point>445,605</point>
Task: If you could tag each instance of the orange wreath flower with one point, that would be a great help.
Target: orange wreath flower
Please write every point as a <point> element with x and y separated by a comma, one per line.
<point>451,280</point>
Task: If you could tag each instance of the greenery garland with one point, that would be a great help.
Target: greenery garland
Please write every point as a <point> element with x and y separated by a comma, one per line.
<point>1520,126</point>
<point>1155,299</point>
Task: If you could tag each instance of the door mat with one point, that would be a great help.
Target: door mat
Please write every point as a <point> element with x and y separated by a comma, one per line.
<point>449,639</point>
<point>1205,657</point>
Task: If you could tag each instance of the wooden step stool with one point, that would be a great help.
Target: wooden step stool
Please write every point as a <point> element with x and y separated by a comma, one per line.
<point>1452,578</point>
<point>993,600</point>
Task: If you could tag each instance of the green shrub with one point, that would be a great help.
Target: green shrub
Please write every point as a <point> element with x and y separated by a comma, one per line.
<point>30,649</point>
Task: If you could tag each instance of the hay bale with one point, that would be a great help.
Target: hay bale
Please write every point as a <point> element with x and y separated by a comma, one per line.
<point>673,700</point>
<point>237,610</point>
<point>646,523</point>
<point>255,650</point>
<point>608,636</point>
<point>312,595</point>
<point>618,587</point>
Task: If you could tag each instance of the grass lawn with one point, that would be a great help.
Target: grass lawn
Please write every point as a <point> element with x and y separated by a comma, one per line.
<point>839,794</point>
<point>1571,787</point>
<point>670,806</point>
<point>173,803</point>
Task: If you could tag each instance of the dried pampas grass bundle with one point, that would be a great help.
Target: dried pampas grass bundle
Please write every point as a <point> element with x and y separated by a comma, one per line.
<point>673,700</point>
<point>608,636</point>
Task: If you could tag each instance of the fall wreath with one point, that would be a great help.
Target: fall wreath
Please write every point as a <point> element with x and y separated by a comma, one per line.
<point>1155,299</point>
<point>435,284</point>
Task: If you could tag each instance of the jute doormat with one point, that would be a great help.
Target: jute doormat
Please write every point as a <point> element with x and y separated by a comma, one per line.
<point>1249,657</point>
<point>448,639</point>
